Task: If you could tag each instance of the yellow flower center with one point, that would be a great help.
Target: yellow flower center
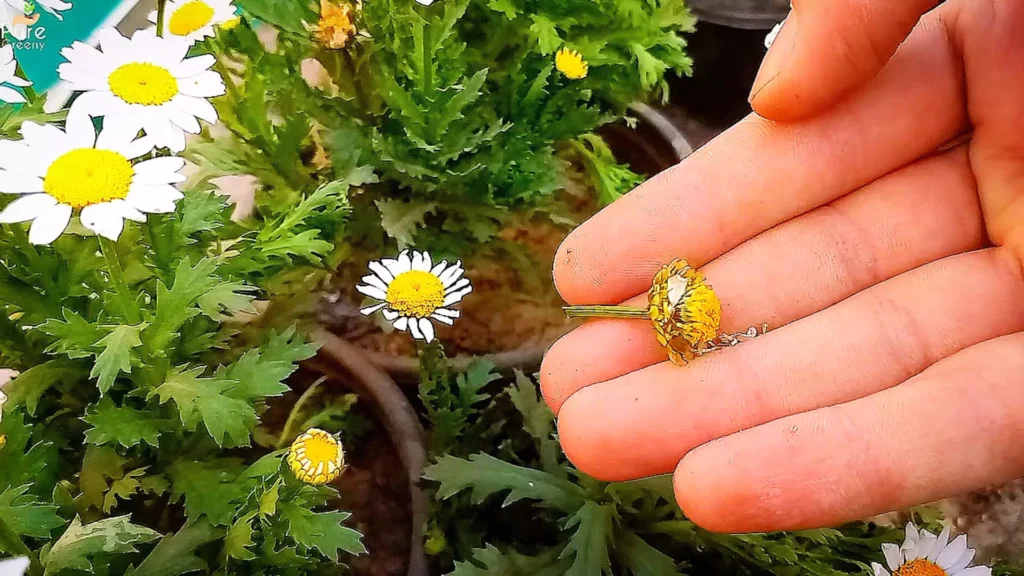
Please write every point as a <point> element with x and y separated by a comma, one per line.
<point>416,293</point>
<point>571,64</point>
<point>189,18</point>
<point>920,567</point>
<point>141,83</point>
<point>88,176</point>
<point>316,457</point>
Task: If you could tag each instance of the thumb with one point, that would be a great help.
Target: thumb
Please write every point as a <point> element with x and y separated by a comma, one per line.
<point>826,49</point>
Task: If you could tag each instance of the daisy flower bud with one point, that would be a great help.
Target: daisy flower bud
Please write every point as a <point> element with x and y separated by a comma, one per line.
<point>316,457</point>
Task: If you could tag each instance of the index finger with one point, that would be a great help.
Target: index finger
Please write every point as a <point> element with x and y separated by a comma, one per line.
<point>759,174</point>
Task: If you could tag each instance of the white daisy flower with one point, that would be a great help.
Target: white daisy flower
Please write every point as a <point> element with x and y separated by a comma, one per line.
<point>8,66</point>
<point>925,554</point>
<point>58,172</point>
<point>14,566</point>
<point>194,20</point>
<point>425,2</point>
<point>413,291</point>
<point>146,81</point>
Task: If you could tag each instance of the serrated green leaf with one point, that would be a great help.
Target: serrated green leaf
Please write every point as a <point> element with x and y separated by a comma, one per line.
<point>305,245</point>
<point>261,373</point>
<point>506,7</point>
<point>401,220</point>
<point>175,554</point>
<point>75,336</point>
<point>269,500</point>
<point>176,305</point>
<point>239,539</point>
<point>122,488</point>
<point>588,545</point>
<point>30,385</point>
<point>642,559</point>
<point>81,542</point>
<point>538,418</point>
<point>25,515</point>
<point>547,34</point>
<point>210,489</point>
<point>116,355</point>
<point>22,462</point>
<point>485,475</point>
<point>491,562</point>
<point>227,299</point>
<point>100,466</point>
<point>228,420</point>
<point>123,425</point>
<point>322,531</point>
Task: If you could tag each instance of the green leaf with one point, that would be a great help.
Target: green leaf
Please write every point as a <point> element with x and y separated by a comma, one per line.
<point>491,562</point>
<point>100,466</point>
<point>209,488</point>
<point>506,7</point>
<point>123,425</point>
<point>260,373</point>
<point>123,488</point>
<point>269,500</point>
<point>322,531</point>
<point>642,559</point>
<point>290,16</point>
<point>588,546</point>
<point>176,305</point>
<point>25,515</point>
<point>75,336</point>
<point>30,386</point>
<point>116,355</point>
<point>486,475</point>
<point>227,299</point>
<point>401,220</point>
<point>546,33</point>
<point>538,418</point>
<point>22,462</point>
<point>175,554</point>
<point>306,246</point>
<point>239,539</point>
<point>81,542</point>
<point>228,420</point>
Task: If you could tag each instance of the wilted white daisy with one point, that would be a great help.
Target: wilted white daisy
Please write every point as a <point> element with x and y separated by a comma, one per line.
<point>59,172</point>
<point>14,566</point>
<point>925,554</point>
<point>146,81</point>
<point>8,67</point>
<point>413,291</point>
<point>194,20</point>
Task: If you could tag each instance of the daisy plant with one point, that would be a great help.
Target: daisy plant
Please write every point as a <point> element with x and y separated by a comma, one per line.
<point>132,438</point>
<point>925,554</point>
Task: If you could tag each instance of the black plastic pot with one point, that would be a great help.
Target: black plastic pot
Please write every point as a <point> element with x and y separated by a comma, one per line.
<point>747,14</point>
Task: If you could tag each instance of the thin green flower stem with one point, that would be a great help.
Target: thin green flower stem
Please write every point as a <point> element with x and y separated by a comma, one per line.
<point>14,544</point>
<point>286,433</point>
<point>161,7</point>
<point>121,290</point>
<point>219,55</point>
<point>604,312</point>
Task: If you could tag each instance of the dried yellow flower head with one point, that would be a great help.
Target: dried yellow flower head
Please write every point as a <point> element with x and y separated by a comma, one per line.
<point>316,457</point>
<point>335,27</point>
<point>685,311</point>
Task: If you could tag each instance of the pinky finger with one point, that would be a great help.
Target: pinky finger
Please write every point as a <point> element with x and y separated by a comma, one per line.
<point>955,427</point>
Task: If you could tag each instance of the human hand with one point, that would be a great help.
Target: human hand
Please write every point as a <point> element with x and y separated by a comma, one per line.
<point>891,275</point>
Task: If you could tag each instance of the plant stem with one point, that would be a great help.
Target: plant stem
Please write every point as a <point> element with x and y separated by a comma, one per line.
<point>161,7</point>
<point>286,433</point>
<point>604,312</point>
<point>124,296</point>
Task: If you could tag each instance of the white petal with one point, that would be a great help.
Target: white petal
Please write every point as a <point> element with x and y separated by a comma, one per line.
<point>448,313</point>
<point>372,292</point>
<point>940,544</point>
<point>11,96</point>
<point>182,119</point>
<point>194,66</point>
<point>128,211</point>
<point>975,571</point>
<point>456,296</point>
<point>912,534</point>
<point>18,157</point>
<point>414,329</point>
<point>163,170</point>
<point>452,274</point>
<point>19,82</point>
<point>425,2</point>
<point>371,309</point>
<point>460,285</point>
<point>103,219</point>
<point>404,262</point>
<point>390,315</point>
<point>439,268</point>
<point>27,208</point>
<point>113,42</point>
<point>402,324</point>
<point>14,566</point>
<point>962,563</point>
<point>15,183</point>
<point>152,199</point>
<point>120,134</point>
<point>421,261</point>
<point>164,133</point>
<point>878,570</point>
<point>381,272</point>
<point>443,319</point>
<point>428,330</point>
<point>205,85</point>
<point>953,552</point>
<point>892,555</point>
<point>392,266</point>
<point>198,107</point>
<point>374,281</point>
<point>48,226</point>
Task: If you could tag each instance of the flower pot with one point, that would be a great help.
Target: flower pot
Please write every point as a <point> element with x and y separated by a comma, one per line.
<point>747,14</point>
<point>655,144</point>
<point>347,366</point>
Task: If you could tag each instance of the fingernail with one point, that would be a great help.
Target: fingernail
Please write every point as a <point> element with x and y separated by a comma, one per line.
<point>775,61</point>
